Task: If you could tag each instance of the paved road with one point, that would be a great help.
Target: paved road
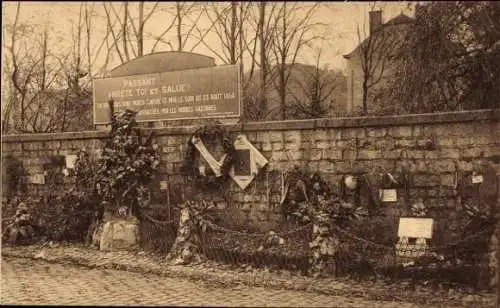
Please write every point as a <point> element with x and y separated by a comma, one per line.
<point>37,282</point>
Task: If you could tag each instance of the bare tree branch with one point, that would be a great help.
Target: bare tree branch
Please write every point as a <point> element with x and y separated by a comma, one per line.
<point>110,27</point>
<point>124,31</point>
<point>160,37</point>
<point>193,26</point>
<point>291,35</point>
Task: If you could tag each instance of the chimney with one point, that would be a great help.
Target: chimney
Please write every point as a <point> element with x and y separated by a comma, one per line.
<point>375,19</point>
<point>419,11</point>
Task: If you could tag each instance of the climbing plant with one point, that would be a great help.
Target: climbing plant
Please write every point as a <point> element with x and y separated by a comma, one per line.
<point>127,165</point>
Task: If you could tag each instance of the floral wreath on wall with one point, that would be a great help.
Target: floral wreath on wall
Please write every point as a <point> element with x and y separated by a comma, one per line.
<point>218,172</point>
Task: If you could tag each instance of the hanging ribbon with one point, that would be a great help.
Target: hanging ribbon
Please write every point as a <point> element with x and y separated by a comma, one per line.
<point>212,162</point>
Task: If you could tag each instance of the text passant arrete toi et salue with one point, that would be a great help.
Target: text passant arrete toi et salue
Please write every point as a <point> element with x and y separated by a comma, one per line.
<point>178,88</point>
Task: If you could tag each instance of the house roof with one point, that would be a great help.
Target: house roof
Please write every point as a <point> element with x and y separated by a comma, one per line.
<point>398,20</point>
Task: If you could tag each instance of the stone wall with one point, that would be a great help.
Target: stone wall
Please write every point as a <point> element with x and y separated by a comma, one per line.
<point>432,147</point>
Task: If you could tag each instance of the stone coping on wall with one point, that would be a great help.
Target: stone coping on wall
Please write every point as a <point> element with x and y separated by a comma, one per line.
<point>347,122</point>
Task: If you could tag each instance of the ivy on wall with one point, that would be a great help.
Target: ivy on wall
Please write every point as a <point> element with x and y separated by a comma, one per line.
<point>128,163</point>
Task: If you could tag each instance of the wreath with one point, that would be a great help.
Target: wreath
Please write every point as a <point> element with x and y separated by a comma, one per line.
<point>301,188</point>
<point>307,194</point>
<point>209,133</point>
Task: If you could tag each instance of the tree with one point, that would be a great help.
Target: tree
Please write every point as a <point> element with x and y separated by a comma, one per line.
<point>183,10</point>
<point>224,21</point>
<point>293,32</point>
<point>451,58</point>
<point>130,34</point>
<point>244,30</point>
<point>228,24</point>
<point>184,26</point>
<point>375,54</point>
<point>264,24</point>
<point>45,90</point>
<point>265,34</point>
<point>50,82</point>
<point>312,94</point>
<point>240,28</point>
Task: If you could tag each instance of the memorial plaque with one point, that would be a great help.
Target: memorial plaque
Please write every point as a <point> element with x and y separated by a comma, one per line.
<point>252,159</point>
<point>477,178</point>
<point>36,179</point>
<point>388,195</point>
<point>415,227</point>
<point>242,166</point>
<point>212,92</point>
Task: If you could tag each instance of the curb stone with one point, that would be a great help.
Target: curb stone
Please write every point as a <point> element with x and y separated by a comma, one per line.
<point>213,279</point>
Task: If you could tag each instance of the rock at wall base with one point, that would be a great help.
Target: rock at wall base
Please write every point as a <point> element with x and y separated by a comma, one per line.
<point>120,234</point>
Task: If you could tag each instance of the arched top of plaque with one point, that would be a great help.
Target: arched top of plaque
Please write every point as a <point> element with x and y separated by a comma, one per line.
<point>159,62</point>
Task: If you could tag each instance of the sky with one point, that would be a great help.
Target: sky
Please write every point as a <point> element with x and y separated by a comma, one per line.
<point>341,20</point>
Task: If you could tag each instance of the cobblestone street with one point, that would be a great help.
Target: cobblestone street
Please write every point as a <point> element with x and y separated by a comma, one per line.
<point>38,282</point>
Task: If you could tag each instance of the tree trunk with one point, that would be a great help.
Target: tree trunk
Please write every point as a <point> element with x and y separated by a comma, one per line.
<point>263,60</point>
<point>179,25</point>
<point>233,43</point>
<point>240,30</point>
<point>282,85</point>
<point>140,38</point>
<point>365,96</point>
<point>282,91</point>
<point>124,30</point>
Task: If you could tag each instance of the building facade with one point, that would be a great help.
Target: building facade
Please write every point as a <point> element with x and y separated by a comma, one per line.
<point>372,63</point>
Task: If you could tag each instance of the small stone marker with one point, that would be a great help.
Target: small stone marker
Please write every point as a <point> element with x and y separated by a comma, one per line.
<point>413,234</point>
<point>120,235</point>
